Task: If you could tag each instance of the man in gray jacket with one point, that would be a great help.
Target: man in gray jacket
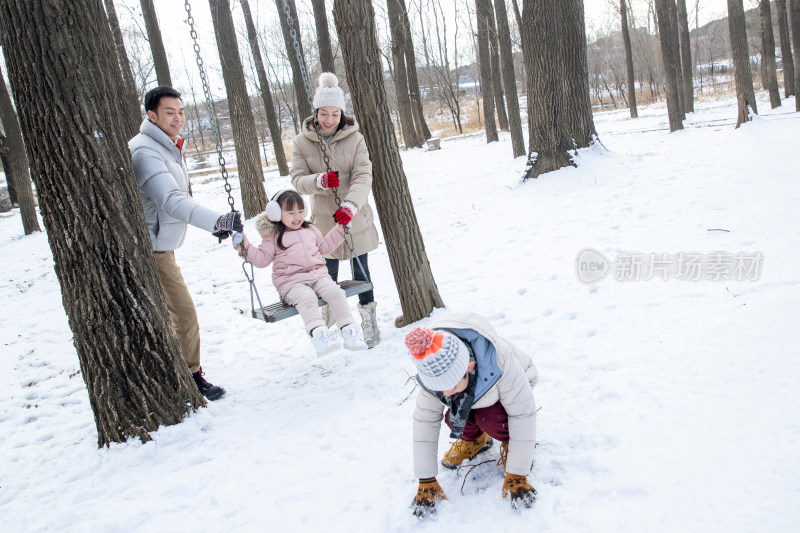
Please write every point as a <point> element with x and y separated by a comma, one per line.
<point>157,154</point>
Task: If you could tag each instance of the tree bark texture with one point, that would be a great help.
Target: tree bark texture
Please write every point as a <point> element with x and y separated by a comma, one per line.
<point>577,102</point>
<point>290,24</point>
<point>15,163</point>
<point>786,49</point>
<point>243,127</point>
<point>323,36</point>
<point>769,75</point>
<point>156,43</point>
<point>676,46</point>
<point>745,95</point>
<point>626,40</point>
<point>482,10</point>
<point>355,25</point>
<point>550,142</point>
<point>671,59</point>
<point>497,81</point>
<point>413,83</point>
<point>686,58</point>
<point>509,78</point>
<point>266,94</point>
<point>794,16</point>
<point>133,118</point>
<point>129,359</point>
<point>410,136</point>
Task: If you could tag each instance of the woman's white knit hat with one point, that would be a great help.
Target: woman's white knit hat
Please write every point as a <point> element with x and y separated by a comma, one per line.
<point>329,93</point>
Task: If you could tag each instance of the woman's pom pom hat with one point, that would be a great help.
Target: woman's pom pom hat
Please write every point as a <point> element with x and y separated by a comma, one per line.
<point>329,93</point>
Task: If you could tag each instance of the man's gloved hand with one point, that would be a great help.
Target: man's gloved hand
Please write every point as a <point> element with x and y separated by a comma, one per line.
<point>344,215</point>
<point>328,180</point>
<point>522,494</point>
<point>227,224</point>
<point>424,503</point>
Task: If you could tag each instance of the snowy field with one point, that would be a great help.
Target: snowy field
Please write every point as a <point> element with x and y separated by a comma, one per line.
<point>664,405</point>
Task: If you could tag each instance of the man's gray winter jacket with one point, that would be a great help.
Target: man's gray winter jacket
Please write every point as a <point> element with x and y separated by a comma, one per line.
<point>164,189</point>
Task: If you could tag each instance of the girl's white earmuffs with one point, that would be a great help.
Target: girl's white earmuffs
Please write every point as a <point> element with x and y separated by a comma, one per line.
<point>273,210</point>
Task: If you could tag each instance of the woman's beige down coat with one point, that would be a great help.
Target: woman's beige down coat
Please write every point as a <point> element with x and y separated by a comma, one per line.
<point>348,155</point>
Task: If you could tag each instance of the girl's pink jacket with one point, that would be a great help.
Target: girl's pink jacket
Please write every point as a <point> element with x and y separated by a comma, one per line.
<point>301,260</point>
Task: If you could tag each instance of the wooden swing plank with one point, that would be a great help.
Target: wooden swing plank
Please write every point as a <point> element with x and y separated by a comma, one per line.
<point>279,311</point>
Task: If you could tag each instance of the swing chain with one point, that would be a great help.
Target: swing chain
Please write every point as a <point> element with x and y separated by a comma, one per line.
<point>209,102</point>
<point>296,44</point>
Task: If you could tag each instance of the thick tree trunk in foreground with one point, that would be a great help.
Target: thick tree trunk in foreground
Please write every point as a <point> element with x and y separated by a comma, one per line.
<point>302,93</point>
<point>550,142</point>
<point>786,49</point>
<point>323,36</point>
<point>686,58</point>
<point>15,163</point>
<point>509,78</point>
<point>672,69</point>
<point>129,359</point>
<point>745,95</point>
<point>483,8</point>
<point>266,94</point>
<point>769,76</point>
<point>577,103</point>
<point>626,40</point>
<point>413,83</point>
<point>245,138</point>
<point>133,118</point>
<point>156,43</point>
<point>355,25</point>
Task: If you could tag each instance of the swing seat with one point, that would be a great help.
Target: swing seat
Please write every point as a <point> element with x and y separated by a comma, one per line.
<point>279,311</point>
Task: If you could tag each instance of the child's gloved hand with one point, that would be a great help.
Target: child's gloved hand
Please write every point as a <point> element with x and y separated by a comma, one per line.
<point>522,494</point>
<point>424,503</point>
<point>328,180</point>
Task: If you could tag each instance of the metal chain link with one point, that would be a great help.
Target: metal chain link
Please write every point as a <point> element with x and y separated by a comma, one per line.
<point>209,102</point>
<point>296,44</point>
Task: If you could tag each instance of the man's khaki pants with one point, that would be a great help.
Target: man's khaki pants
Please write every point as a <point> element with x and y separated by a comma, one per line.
<point>182,313</point>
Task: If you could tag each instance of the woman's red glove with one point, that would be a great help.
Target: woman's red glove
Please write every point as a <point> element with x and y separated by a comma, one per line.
<point>329,180</point>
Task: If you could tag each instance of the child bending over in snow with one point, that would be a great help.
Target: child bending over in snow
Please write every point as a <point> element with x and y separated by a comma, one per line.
<point>295,247</point>
<point>482,385</point>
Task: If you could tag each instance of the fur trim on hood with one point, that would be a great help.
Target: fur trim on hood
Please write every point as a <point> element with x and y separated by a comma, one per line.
<point>264,225</point>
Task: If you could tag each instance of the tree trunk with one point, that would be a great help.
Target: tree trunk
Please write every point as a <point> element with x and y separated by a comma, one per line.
<point>745,95</point>
<point>794,15</point>
<point>686,58</point>
<point>156,44</point>
<point>626,40</point>
<point>482,10</point>
<point>15,163</point>
<point>413,83</point>
<point>245,136</point>
<point>497,81</point>
<point>509,78</point>
<point>302,89</point>
<point>133,118</point>
<point>786,49</point>
<point>266,94</point>
<point>129,359</point>
<point>323,36</point>
<point>577,102</point>
<point>676,46</point>
<point>549,143</point>
<point>769,76</point>
<point>671,59</point>
<point>409,132</point>
<point>355,25</point>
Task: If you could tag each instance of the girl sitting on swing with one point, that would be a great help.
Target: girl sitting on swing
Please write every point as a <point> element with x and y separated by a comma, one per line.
<point>295,247</point>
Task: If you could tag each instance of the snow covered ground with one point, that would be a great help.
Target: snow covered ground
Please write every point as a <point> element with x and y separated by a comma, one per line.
<point>665,405</point>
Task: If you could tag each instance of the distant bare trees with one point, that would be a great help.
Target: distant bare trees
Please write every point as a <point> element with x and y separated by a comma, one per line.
<point>156,43</point>
<point>323,36</point>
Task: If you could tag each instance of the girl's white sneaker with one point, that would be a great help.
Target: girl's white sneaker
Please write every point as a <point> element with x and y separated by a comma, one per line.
<point>323,343</point>
<point>353,338</point>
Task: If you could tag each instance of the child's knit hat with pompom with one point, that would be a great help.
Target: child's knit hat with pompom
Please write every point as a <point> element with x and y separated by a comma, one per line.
<point>441,357</point>
<point>329,93</point>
